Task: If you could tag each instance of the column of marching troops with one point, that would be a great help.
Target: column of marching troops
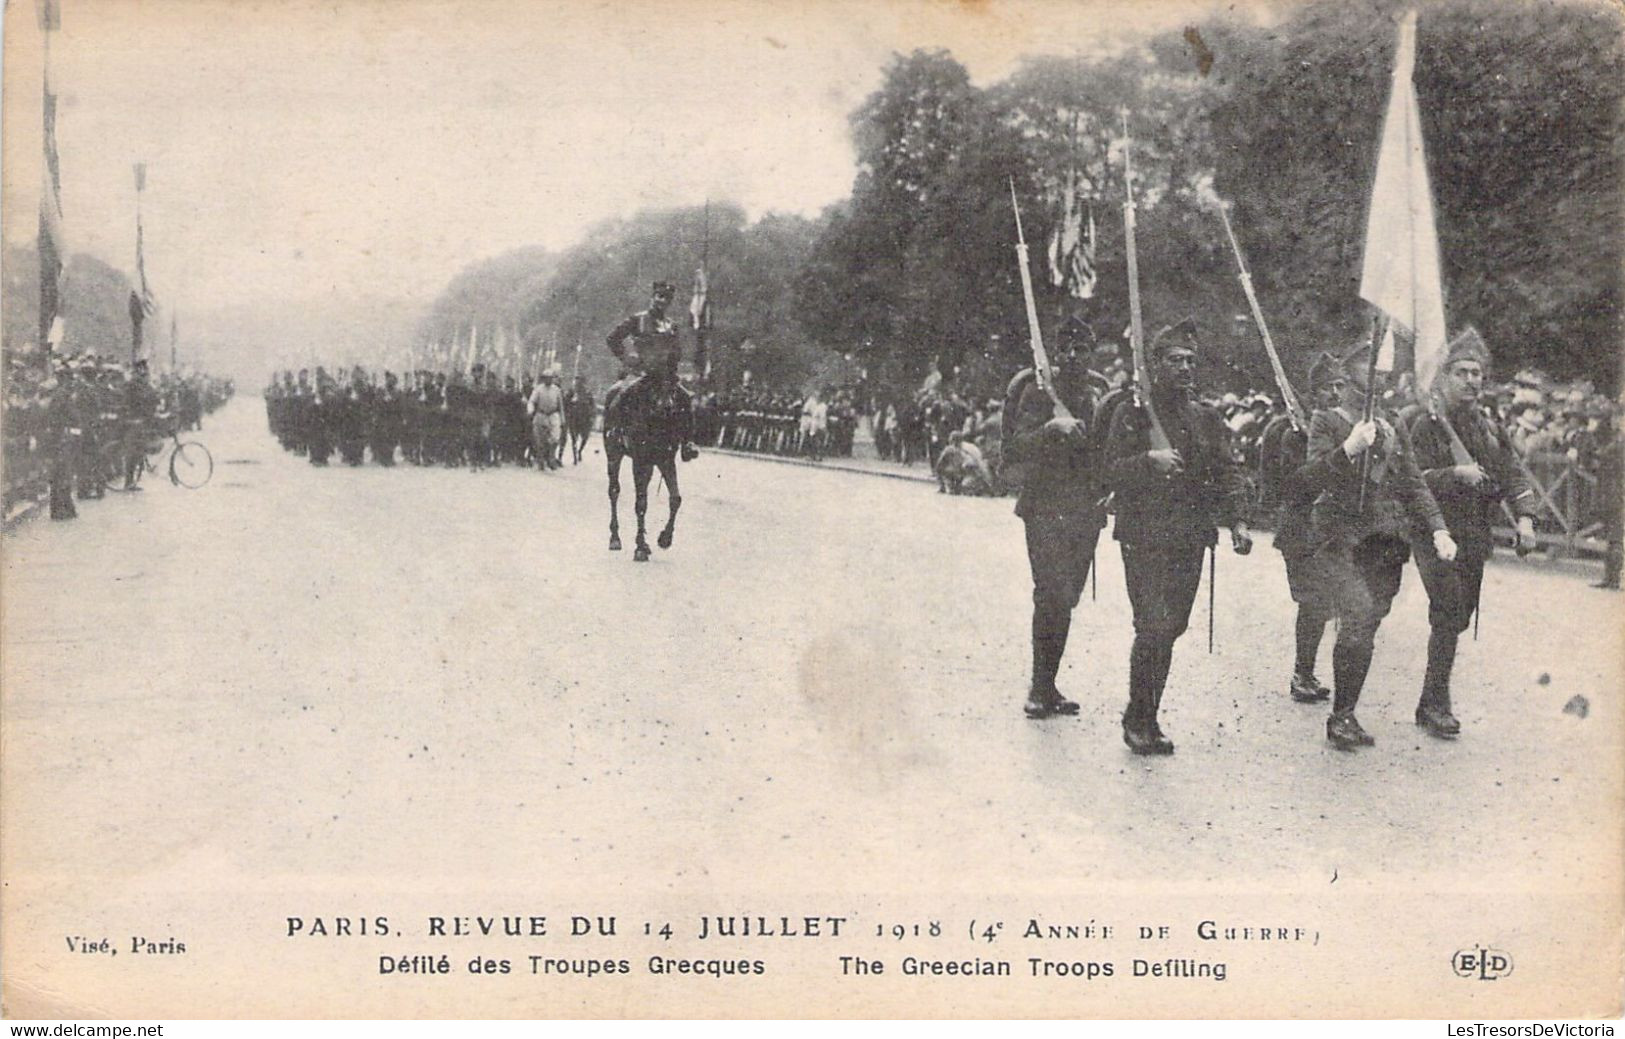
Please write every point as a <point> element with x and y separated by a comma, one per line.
<point>479,420</point>
<point>1357,499</point>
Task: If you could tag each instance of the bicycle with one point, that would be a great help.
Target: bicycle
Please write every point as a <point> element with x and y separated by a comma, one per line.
<point>190,463</point>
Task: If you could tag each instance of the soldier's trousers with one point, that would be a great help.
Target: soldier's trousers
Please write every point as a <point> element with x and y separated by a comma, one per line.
<point>1162,582</point>
<point>1060,550</point>
<point>1453,590</point>
<point>60,479</point>
<point>1362,581</point>
<point>1314,610</point>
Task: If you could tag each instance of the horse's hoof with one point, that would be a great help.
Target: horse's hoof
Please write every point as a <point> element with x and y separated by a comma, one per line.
<point>664,540</point>
<point>641,555</point>
<point>614,542</point>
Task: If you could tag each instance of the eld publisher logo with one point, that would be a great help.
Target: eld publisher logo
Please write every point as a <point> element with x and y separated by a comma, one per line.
<point>1481,964</point>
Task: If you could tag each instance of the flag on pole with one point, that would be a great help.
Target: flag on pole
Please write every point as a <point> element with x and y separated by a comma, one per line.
<point>148,304</point>
<point>52,248</point>
<point>1071,247</point>
<point>698,309</point>
<point>1401,274</point>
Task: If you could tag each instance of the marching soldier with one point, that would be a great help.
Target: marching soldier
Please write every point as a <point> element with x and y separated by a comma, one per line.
<point>318,418</point>
<point>546,407</point>
<point>1361,540</point>
<point>1469,494</point>
<point>654,357</point>
<point>1283,450</point>
<point>387,414</point>
<point>1169,503</point>
<point>1060,506</point>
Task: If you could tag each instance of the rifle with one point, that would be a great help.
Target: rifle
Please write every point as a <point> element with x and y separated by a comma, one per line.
<point>1378,331</point>
<point>1142,372</point>
<point>1294,407</point>
<point>1041,368</point>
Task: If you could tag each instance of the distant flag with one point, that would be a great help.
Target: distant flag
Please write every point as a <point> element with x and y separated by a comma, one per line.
<point>698,309</point>
<point>52,248</point>
<point>1401,274</point>
<point>1071,248</point>
<point>148,305</point>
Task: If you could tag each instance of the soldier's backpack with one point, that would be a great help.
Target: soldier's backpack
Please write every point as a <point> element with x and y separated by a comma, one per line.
<point>1275,463</point>
<point>1013,474</point>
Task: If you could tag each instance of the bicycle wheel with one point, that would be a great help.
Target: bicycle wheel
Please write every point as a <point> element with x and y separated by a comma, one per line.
<point>190,465</point>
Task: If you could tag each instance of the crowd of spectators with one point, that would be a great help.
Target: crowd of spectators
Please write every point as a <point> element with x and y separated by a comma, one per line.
<point>1555,427</point>
<point>76,424</point>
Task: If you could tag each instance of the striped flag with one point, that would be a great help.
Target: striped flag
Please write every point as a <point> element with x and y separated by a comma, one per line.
<point>1071,247</point>
<point>1401,274</point>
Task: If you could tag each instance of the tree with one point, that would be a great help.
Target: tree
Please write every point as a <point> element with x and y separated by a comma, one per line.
<point>1522,106</point>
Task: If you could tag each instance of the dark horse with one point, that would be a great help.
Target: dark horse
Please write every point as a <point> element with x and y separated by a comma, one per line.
<point>645,427</point>
<point>579,411</point>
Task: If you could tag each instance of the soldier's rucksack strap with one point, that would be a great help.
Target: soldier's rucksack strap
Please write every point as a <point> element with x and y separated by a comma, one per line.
<point>1012,393</point>
<point>1105,414</point>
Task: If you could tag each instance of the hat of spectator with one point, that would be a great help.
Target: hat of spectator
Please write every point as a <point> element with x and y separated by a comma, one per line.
<point>1181,335</point>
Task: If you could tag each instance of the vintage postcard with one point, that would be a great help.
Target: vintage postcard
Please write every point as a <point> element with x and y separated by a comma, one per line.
<point>705,508</point>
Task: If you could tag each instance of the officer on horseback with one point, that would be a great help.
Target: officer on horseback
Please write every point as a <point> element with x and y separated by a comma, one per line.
<point>652,367</point>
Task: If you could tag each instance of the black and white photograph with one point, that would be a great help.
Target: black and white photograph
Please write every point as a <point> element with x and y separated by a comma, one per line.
<point>910,509</point>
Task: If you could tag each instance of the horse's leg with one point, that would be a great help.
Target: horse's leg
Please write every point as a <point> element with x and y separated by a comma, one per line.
<point>642,469</point>
<point>668,472</point>
<point>613,454</point>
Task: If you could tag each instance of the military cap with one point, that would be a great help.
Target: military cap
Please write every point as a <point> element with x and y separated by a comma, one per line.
<point>1323,369</point>
<point>1467,346</point>
<point>1181,334</point>
<point>1076,334</point>
<point>663,288</point>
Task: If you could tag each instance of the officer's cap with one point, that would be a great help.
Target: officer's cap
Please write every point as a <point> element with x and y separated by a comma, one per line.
<point>663,289</point>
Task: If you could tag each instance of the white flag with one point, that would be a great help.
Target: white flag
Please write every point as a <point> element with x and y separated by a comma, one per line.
<point>1401,274</point>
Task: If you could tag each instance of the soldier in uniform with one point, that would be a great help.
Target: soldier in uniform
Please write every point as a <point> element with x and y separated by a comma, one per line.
<point>654,359</point>
<point>140,413</point>
<point>546,407</point>
<point>1469,495</point>
<point>387,414</point>
<point>1361,541</point>
<point>351,409</point>
<point>64,428</point>
<point>1283,450</point>
<point>1169,503</point>
<point>1060,506</point>
<point>318,418</point>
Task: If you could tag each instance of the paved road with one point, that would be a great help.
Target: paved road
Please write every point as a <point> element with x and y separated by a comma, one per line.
<point>327,688</point>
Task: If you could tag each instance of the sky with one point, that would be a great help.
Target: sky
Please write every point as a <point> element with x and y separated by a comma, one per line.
<point>373,148</point>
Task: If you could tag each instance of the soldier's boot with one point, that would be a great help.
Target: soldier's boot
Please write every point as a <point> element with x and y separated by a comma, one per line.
<point>1051,624</point>
<point>1350,664</point>
<point>1343,731</point>
<point>1140,730</point>
<point>1306,688</point>
<point>1308,631</point>
<point>1433,712</point>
